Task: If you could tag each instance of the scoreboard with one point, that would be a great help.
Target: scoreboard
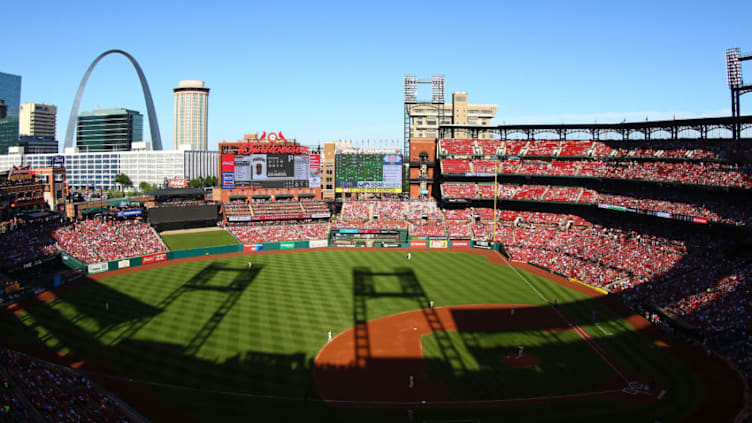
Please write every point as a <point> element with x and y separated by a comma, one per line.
<point>368,173</point>
<point>268,165</point>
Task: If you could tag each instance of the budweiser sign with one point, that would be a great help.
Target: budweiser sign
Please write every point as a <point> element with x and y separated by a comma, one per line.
<point>253,148</point>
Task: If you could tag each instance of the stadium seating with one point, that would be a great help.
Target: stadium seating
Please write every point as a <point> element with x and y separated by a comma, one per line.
<point>57,394</point>
<point>96,240</point>
<point>27,242</point>
<point>280,233</point>
<point>431,231</point>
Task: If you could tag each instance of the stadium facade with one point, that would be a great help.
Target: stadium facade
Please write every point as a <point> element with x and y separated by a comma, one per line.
<point>98,169</point>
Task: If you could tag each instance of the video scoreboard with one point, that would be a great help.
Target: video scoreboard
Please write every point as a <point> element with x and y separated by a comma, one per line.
<point>368,173</point>
<point>263,166</point>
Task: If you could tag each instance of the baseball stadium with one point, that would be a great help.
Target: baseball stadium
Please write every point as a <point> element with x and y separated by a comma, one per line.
<point>516,273</point>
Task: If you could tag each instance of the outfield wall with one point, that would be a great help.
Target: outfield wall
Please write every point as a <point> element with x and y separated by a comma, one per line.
<point>107,266</point>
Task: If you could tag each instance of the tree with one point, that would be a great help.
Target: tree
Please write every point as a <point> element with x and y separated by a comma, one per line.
<point>196,182</point>
<point>123,180</point>
<point>146,187</point>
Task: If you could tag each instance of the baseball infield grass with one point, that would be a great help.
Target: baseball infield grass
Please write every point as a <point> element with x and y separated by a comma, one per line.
<point>186,241</point>
<point>207,336</point>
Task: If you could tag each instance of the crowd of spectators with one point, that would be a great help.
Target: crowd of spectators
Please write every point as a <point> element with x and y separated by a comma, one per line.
<point>26,242</point>
<point>276,208</point>
<point>680,149</point>
<point>430,231</point>
<point>668,201</point>
<point>683,172</point>
<point>735,212</point>
<point>12,406</point>
<point>98,239</point>
<point>58,394</point>
<point>280,233</point>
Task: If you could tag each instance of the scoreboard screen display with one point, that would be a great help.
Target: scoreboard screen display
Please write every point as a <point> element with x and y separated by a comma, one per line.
<point>279,170</point>
<point>368,173</point>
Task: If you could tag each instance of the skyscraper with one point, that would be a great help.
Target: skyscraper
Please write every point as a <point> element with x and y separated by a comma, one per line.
<point>37,120</point>
<point>191,115</point>
<point>10,95</point>
<point>109,130</point>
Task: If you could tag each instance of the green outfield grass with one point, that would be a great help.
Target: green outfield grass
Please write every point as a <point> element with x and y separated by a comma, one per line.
<point>203,335</point>
<point>191,240</point>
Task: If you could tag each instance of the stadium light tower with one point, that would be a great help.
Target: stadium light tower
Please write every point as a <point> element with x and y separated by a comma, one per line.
<point>734,57</point>
<point>411,100</point>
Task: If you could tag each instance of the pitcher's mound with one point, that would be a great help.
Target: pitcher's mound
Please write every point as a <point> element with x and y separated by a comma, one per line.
<point>526,362</point>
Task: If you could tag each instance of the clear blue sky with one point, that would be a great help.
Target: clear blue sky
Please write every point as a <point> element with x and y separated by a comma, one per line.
<point>329,70</point>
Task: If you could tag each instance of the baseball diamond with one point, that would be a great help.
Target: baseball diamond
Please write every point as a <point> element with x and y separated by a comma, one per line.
<point>199,336</point>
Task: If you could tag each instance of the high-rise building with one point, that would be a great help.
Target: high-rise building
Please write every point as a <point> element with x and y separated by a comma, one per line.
<point>109,130</point>
<point>425,118</point>
<point>191,115</point>
<point>10,95</point>
<point>37,120</point>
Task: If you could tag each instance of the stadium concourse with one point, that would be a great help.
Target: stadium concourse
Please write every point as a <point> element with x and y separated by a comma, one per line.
<point>693,279</point>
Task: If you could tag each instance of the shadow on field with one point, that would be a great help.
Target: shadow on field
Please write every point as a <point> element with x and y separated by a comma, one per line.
<point>364,287</point>
<point>281,387</point>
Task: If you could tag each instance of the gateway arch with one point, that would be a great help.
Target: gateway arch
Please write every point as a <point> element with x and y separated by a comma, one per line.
<point>156,139</point>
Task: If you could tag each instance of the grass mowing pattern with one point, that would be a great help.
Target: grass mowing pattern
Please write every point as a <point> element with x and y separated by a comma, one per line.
<point>191,240</point>
<point>214,325</point>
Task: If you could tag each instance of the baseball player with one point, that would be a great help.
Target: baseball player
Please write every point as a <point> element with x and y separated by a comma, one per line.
<point>409,256</point>
<point>330,335</point>
<point>250,265</point>
<point>520,351</point>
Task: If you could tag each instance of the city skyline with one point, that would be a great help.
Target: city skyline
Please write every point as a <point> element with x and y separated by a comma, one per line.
<point>334,71</point>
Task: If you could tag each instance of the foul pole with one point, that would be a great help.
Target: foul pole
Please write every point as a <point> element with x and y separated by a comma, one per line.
<point>496,194</point>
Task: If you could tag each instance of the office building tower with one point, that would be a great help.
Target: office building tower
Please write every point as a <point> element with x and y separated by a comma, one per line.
<point>109,130</point>
<point>10,98</point>
<point>191,115</point>
<point>37,120</point>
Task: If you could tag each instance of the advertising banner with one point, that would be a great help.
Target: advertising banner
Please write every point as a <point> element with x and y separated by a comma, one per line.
<point>19,173</point>
<point>228,163</point>
<point>482,244</point>
<point>57,161</point>
<point>122,264</point>
<point>420,244</point>
<point>239,219</point>
<point>314,171</point>
<point>460,244</point>
<point>177,183</point>
<point>390,245</point>
<point>663,215</point>
<point>286,245</point>
<point>228,180</point>
<point>373,190</point>
<point>98,267</point>
<point>436,243</point>
<point>128,213</point>
<point>228,171</point>
<point>253,247</point>
<point>700,220</point>
<point>154,258</point>
<point>318,243</point>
